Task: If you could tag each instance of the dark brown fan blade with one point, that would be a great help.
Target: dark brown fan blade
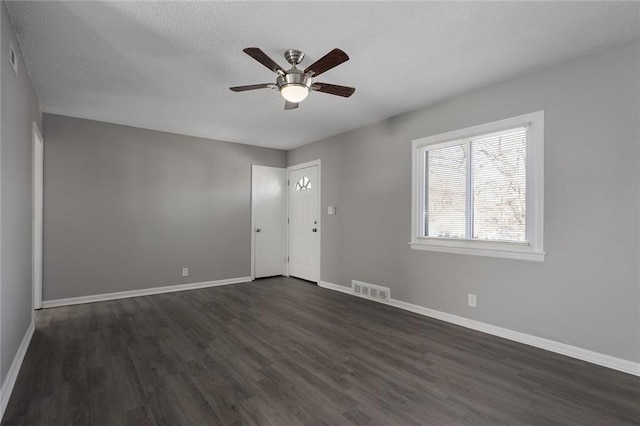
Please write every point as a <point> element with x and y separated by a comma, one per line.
<point>262,57</point>
<point>290,105</point>
<point>252,87</point>
<point>333,89</point>
<point>328,61</point>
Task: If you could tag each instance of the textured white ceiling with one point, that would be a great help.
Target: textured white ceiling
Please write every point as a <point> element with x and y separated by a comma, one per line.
<point>169,65</point>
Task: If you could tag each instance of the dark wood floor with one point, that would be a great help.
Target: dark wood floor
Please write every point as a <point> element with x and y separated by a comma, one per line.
<point>282,351</point>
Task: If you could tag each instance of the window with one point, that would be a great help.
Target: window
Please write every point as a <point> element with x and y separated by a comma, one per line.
<point>479,190</point>
<point>303,183</point>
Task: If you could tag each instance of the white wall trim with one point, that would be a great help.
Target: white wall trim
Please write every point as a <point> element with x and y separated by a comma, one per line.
<point>37,174</point>
<point>141,292</point>
<point>12,374</point>
<point>336,287</point>
<point>587,355</point>
<point>504,252</point>
<point>253,235</point>
<point>304,165</point>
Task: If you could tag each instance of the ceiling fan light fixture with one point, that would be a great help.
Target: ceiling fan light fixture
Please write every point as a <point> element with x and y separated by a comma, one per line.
<point>294,92</point>
<point>295,84</point>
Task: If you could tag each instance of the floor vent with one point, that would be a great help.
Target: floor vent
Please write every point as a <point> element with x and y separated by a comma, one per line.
<point>370,291</point>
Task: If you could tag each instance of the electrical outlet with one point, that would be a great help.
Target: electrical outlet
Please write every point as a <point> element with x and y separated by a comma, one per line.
<point>185,272</point>
<point>472,300</point>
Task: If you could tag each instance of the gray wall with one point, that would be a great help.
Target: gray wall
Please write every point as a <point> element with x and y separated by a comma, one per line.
<point>19,110</point>
<point>587,291</point>
<point>127,208</point>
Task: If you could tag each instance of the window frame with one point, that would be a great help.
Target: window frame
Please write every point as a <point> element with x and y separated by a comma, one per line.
<point>531,250</point>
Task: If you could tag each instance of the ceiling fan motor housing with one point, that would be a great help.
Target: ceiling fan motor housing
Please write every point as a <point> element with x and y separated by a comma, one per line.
<point>295,77</point>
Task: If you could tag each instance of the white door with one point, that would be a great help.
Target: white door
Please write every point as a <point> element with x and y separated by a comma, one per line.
<point>267,212</point>
<point>304,223</point>
<point>38,191</point>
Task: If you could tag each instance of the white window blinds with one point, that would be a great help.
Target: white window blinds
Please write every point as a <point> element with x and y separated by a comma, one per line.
<point>446,199</point>
<point>498,171</point>
<point>476,189</point>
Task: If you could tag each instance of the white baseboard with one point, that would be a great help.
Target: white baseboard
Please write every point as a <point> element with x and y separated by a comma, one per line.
<point>142,292</point>
<point>12,374</point>
<point>538,342</point>
<point>336,287</point>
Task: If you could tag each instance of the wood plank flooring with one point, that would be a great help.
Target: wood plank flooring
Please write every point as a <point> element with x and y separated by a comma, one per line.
<point>281,351</point>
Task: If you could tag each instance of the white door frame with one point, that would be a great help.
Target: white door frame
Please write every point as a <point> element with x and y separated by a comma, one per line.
<point>38,216</point>
<point>32,312</point>
<point>319,195</point>
<point>253,225</point>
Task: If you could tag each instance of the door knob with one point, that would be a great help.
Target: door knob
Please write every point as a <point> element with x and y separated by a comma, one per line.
<point>314,230</point>
<point>258,229</point>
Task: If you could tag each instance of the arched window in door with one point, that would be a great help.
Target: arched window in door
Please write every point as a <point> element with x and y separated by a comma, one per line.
<point>302,184</point>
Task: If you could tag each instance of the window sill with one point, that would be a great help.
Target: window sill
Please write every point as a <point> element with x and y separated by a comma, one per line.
<point>478,248</point>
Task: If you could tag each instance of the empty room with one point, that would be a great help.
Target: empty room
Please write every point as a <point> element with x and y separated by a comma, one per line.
<point>319,212</point>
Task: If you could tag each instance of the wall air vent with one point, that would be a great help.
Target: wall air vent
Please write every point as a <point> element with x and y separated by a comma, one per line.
<point>370,291</point>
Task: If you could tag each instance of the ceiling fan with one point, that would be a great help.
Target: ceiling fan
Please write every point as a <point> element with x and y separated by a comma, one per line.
<point>294,84</point>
